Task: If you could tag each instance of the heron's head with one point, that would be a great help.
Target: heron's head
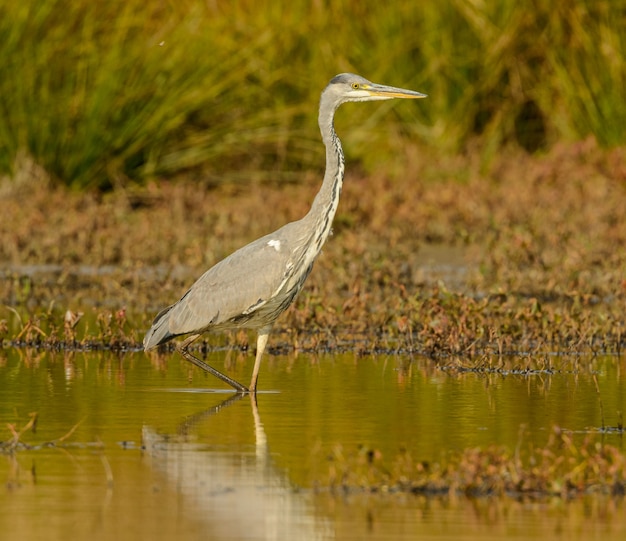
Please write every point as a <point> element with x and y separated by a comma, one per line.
<point>350,87</point>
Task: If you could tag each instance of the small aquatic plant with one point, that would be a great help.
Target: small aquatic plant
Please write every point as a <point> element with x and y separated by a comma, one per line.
<point>560,468</point>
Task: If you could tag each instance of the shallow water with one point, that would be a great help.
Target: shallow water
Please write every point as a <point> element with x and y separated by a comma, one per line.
<point>162,451</point>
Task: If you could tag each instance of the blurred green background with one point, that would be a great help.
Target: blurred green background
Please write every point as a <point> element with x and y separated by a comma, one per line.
<point>105,94</point>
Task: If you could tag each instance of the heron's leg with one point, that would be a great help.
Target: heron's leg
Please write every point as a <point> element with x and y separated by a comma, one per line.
<point>184,351</point>
<point>261,342</point>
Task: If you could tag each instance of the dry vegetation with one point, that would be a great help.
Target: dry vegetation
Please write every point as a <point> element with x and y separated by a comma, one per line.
<point>561,468</point>
<point>538,243</point>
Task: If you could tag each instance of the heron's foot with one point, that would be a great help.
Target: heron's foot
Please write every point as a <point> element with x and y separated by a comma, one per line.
<point>208,368</point>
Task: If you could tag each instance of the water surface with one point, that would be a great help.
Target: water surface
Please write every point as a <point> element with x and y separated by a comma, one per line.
<point>159,450</point>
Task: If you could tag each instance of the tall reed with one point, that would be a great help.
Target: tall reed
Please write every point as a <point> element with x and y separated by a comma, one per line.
<point>103,93</point>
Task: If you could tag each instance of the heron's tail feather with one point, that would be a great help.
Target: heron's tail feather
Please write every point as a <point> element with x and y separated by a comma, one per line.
<point>159,333</point>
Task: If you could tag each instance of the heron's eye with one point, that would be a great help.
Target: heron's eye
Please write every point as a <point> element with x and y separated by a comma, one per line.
<point>355,86</point>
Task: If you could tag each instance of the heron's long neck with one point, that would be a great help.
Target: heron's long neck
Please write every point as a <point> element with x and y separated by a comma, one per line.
<point>326,201</point>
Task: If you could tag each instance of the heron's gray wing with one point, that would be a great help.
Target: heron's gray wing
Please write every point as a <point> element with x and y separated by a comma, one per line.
<point>235,287</point>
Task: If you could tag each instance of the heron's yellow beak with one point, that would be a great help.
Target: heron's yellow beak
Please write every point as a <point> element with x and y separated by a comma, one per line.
<point>384,91</point>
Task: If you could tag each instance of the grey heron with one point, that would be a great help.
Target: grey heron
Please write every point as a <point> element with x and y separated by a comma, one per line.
<point>253,286</point>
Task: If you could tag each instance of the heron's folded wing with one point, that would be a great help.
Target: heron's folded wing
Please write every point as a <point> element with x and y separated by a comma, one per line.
<point>236,286</point>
